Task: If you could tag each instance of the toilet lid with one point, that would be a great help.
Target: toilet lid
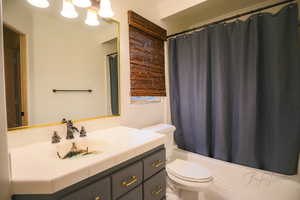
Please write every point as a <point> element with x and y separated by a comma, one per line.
<point>189,171</point>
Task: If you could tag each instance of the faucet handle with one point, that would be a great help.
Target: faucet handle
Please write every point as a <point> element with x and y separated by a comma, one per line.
<point>55,138</point>
<point>82,132</point>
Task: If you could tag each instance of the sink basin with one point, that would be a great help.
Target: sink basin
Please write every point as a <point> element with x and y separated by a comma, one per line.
<point>70,149</point>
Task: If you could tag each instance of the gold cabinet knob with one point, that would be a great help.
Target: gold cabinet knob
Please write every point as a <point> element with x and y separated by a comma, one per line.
<point>98,198</point>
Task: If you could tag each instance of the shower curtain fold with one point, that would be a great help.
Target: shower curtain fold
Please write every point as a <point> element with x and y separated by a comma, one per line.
<point>235,91</point>
<point>114,83</point>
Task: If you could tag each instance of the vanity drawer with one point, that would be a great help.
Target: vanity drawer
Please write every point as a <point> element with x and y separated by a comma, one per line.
<point>126,179</point>
<point>96,191</point>
<point>155,187</point>
<point>136,194</point>
<point>154,163</point>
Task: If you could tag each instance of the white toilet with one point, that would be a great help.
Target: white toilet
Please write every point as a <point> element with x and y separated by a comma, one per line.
<point>183,175</point>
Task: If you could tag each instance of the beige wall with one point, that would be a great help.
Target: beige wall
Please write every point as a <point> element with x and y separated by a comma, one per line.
<point>135,115</point>
<point>71,58</point>
<point>131,115</point>
<point>167,8</point>
<point>4,164</point>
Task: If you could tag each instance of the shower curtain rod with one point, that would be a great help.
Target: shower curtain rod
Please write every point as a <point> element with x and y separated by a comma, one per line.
<point>233,17</point>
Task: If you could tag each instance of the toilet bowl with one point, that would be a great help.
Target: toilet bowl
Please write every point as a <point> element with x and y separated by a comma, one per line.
<point>188,176</point>
<point>183,175</point>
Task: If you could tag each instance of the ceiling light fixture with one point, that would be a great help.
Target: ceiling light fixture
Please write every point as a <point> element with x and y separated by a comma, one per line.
<point>82,3</point>
<point>39,3</point>
<point>105,9</point>
<point>68,9</point>
<point>92,17</point>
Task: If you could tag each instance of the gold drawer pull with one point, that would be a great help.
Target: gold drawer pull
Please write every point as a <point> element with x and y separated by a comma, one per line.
<point>98,198</point>
<point>157,163</point>
<point>157,191</point>
<point>130,182</point>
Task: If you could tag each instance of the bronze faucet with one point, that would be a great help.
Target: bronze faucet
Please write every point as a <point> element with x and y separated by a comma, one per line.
<point>70,129</point>
<point>82,132</point>
<point>55,138</point>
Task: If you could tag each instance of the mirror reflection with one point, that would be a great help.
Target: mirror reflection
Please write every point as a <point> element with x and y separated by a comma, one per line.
<point>57,67</point>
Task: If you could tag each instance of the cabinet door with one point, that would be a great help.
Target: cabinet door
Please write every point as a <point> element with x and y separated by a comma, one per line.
<point>154,163</point>
<point>155,187</point>
<point>136,194</point>
<point>78,195</point>
<point>99,190</point>
<point>127,179</point>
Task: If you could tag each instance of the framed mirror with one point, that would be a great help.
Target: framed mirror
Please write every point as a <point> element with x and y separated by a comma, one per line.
<point>56,67</point>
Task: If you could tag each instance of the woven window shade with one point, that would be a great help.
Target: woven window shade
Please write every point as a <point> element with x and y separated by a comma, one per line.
<point>147,61</point>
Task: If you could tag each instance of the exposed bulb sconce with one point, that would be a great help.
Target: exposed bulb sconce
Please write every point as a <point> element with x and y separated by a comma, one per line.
<point>92,17</point>
<point>105,9</point>
<point>82,3</point>
<point>68,9</point>
<point>39,3</point>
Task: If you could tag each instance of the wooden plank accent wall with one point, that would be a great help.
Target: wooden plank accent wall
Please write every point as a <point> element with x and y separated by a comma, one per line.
<point>147,60</point>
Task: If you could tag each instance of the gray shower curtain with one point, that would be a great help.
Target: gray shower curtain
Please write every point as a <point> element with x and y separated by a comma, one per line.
<point>114,83</point>
<point>235,91</point>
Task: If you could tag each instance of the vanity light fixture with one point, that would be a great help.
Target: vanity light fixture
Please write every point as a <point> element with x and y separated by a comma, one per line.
<point>105,9</point>
<point>68,9</point>
<point>92,17</point>
<point>82,3</point>
<point>39,3</point>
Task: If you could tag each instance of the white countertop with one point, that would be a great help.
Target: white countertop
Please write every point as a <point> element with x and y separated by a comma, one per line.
<point>36,169</point>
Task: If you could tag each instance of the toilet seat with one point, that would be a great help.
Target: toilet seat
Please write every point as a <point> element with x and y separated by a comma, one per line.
<point>190,180</point>
<point>188,175</point>
<point>189,171</point>
<point>187,185</point>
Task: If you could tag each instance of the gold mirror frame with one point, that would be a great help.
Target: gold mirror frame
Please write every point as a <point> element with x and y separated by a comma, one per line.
<point>11,130</point>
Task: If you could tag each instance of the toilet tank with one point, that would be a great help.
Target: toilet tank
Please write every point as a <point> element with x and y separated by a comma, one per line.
<point>168,131</point>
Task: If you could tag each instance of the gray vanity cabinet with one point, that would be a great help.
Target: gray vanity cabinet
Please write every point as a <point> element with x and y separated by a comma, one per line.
<point>154,163</point>
<point>101,190</point>
<point>127,179</point>
<point>155,187</point>
<point>140,178</point>
<point>135,194</point>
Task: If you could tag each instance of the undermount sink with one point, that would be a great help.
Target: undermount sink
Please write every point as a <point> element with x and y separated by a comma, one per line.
<point>81,147</point>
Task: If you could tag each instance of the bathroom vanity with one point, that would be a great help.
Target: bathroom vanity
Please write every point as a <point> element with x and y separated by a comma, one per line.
<point>131,166</point>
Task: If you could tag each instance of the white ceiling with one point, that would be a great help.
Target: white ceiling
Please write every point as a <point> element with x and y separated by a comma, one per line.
<point>208,10</point>
<point>54,11</point>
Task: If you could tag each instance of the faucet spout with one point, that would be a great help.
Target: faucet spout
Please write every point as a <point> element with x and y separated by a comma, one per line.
<point>70,129</point>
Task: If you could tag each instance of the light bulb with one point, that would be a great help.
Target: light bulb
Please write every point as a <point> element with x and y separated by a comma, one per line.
<point>105,9</point>
<point>92,18</point>
<point>82,3</point>
<point>68,9</point>
<point>39,3</point>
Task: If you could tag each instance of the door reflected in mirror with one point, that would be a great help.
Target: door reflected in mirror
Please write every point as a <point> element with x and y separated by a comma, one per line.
<point>57,67</point>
